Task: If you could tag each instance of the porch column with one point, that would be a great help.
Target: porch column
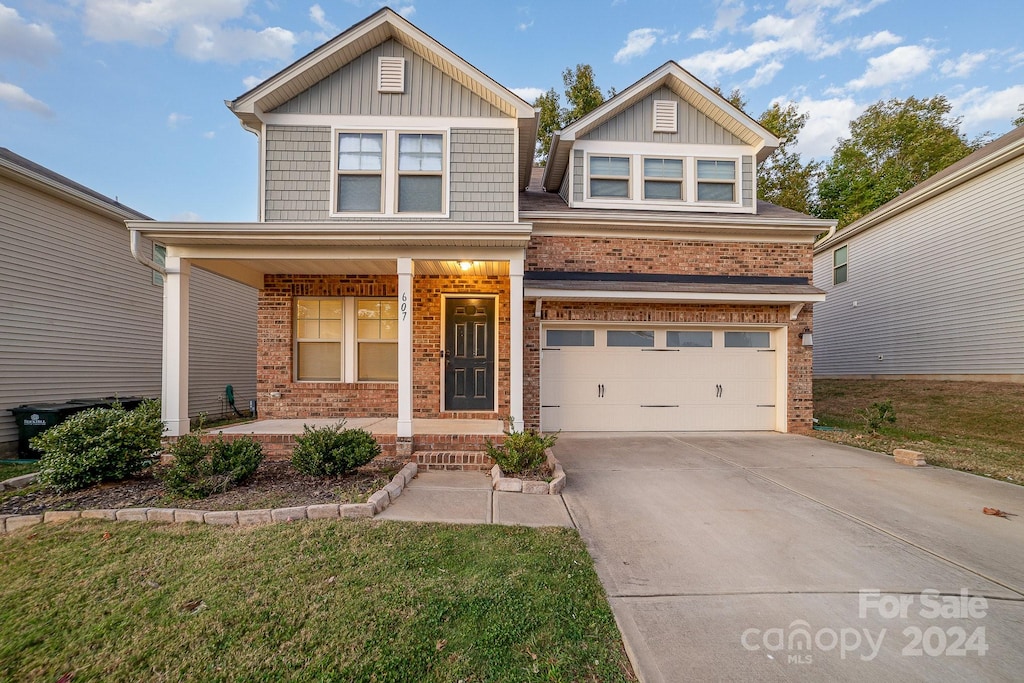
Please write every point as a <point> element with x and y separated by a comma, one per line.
<point>515,355</point>
<point>174,392</point>
<point>405,271</point>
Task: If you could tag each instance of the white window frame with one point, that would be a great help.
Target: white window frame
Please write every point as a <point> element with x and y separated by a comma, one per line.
<point>159,258</point>
<point>366,340</point>
<point>628,177</point>
<point>349,340</point>
<point>735,182</point>
<point>659,179</point>
<point>338,172</point>
<point>389,171</point>
<point>845,265</point>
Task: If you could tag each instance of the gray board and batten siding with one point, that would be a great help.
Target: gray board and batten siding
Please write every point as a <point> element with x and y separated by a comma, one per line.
<point>352,90</point>
<point>80,318</point>
<point>636,124</point>
<point>936,290</point>
<point>299,172</point>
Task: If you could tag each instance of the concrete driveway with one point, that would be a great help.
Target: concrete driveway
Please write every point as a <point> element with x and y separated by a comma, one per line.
<point>779,557</point>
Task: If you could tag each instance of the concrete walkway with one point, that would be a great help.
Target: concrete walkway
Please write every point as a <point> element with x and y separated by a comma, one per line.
<point>744,557</point>
<point>467,498</point>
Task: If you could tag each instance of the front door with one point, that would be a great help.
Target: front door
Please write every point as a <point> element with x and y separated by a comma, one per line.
<point>469,354</point>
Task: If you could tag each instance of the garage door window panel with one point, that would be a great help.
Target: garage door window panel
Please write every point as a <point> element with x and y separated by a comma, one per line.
<point>675,339</point>
<point>748,340</point>
<point>631,338</point>
<point>569,338</point>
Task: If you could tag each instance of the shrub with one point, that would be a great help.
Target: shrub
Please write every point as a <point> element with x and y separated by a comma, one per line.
<point>200,470</point>
<point>521,451</point>
<point>99,444</point>
<point>879,415</point>
<point>332,450</point>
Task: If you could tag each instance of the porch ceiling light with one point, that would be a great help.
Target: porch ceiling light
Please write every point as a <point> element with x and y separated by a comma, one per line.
<point>465,265</point>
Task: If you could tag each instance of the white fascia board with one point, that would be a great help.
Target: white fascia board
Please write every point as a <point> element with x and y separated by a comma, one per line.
<point>68,194</point>
<point>341,121</point>
<point>674,297</point>
<point>345,253</point>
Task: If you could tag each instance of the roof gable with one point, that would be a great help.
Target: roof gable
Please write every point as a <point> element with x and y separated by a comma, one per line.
<point>353,90</point>
<point>688,88</point>
<point>356,41</point>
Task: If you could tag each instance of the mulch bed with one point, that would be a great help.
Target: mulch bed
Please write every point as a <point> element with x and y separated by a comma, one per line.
<point>275,484</point>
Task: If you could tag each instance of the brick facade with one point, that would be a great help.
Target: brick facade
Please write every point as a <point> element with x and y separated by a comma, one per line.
<point>275,335</point>
<point>689,257</point>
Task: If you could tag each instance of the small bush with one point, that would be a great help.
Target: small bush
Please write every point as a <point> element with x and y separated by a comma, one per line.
<point>99,444</point>
<point>522,451</point>
<point>332,450</point>
<point>200,470</point>
<point>878,415</point>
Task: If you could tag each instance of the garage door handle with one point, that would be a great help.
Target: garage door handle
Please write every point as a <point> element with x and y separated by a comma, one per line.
<point>600,391</point>
<point>659,405</point>
<point>718,391</point>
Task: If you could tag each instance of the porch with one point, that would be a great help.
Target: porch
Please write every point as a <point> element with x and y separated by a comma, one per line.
<point>441,444</point>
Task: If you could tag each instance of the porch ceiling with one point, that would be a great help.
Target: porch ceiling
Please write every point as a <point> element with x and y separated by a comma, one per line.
<point>354,267</point>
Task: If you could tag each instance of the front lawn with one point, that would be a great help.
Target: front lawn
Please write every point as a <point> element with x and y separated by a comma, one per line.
<point>969,426</point>
<point>9,470</point>
<point>316,601</point>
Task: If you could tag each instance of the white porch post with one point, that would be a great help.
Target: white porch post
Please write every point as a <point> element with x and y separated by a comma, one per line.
<point>515,356</point>
<point>174,394</point>
<point>405,271</point>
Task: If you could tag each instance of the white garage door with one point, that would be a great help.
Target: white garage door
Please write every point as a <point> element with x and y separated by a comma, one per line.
<point>597,379</point>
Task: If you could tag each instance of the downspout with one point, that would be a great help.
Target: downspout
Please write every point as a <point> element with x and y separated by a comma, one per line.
<point>136,242</point>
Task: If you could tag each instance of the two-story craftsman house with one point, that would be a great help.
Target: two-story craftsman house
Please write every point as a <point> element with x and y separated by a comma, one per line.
<point>410,268</point>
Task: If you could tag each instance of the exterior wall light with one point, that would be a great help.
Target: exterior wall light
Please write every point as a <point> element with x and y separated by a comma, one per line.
<point>805,337</point>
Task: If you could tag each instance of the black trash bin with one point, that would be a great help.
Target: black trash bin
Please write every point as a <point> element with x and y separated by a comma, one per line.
<point>35,418</point>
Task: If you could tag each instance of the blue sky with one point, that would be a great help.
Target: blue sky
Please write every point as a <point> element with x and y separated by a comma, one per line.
<point>126,96</point>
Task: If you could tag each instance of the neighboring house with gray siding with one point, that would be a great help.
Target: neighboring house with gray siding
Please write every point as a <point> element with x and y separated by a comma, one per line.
<point>80,318</point>
<point>929,285</point>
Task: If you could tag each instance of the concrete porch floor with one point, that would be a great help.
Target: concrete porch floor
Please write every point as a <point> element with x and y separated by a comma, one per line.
<point>374,425</point>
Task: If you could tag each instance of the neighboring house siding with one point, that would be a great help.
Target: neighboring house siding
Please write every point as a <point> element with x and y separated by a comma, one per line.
<point>747,186</point>
<point>577,175</point>
<point>79,318</point>
<point>636,124</point>
<point>352,90</point>
<point>482,175</point>
<point>936,290</point>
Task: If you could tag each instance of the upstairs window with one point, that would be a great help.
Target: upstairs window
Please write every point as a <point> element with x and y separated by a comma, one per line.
<point>663,179</point>
<point>420,172</point>
<point>609,177</point>
<point>839,265</point>
<point>360,165</point>
<point>716,180</point>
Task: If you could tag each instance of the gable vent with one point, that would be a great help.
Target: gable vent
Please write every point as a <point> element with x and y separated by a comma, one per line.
<point>390,74</point>
<point>665,116</point>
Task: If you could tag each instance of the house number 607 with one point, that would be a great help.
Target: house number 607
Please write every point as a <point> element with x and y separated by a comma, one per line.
<point>404,307</point>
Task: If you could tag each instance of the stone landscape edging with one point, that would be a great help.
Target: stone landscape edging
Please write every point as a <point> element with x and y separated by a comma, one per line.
<point>377,503</point>
<point>499,482</point>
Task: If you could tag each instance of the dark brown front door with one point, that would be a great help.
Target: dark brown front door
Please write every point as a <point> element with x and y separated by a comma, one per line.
<point>469,354</point>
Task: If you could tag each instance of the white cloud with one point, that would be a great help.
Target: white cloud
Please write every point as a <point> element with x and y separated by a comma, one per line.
<point>964,65</point>
<point>16,98</point>
<point>20,39</point>
<point>880,39</point>
<point>251,82</point>
<point>209,135</point>
<point>403,10</point>
<point>174,119</point>
<point>893,67</point>
<point>638,43</point>
<point>729,14</point>
<point>700,33</point>
<point>316,14</point>
<point>523,25</point>
<point>764,74</point>
<point>673,38</point>
<point>708,65</point>
<point>851,10</point>
<point>187,217</point>
<point>529,94</point>
<point>197,27</point>
<point>980,106</point>
<point>827,121</point>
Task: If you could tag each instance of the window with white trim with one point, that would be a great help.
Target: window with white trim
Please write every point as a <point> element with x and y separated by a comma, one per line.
<point>159,258</point>
<point>330,330</point>
<point>360,169</point>
<point>663,179</point>
<point>840,263</point>
<point>389,172</point>
<point>609,176</point>
<point>716,180</point>
<point>420,172</point>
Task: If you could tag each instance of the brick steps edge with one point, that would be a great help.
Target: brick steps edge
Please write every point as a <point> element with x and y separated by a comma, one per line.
<point>377,503</point>
<point>499,482</point>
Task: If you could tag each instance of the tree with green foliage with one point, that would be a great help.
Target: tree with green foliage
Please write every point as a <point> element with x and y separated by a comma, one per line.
<point>892,147</point>
<point>1019,121</point>
<point>582,96</point>
<point>783,178</point>
<point>735,98</point>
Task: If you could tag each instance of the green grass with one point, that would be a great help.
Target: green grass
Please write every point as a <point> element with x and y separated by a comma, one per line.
<point>317,601</point>
<point>11,469</point>
<point>969,426</point>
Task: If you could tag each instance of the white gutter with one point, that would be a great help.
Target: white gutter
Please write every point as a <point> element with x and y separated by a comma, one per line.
<point>136,242</point>
<point>831,231</point>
